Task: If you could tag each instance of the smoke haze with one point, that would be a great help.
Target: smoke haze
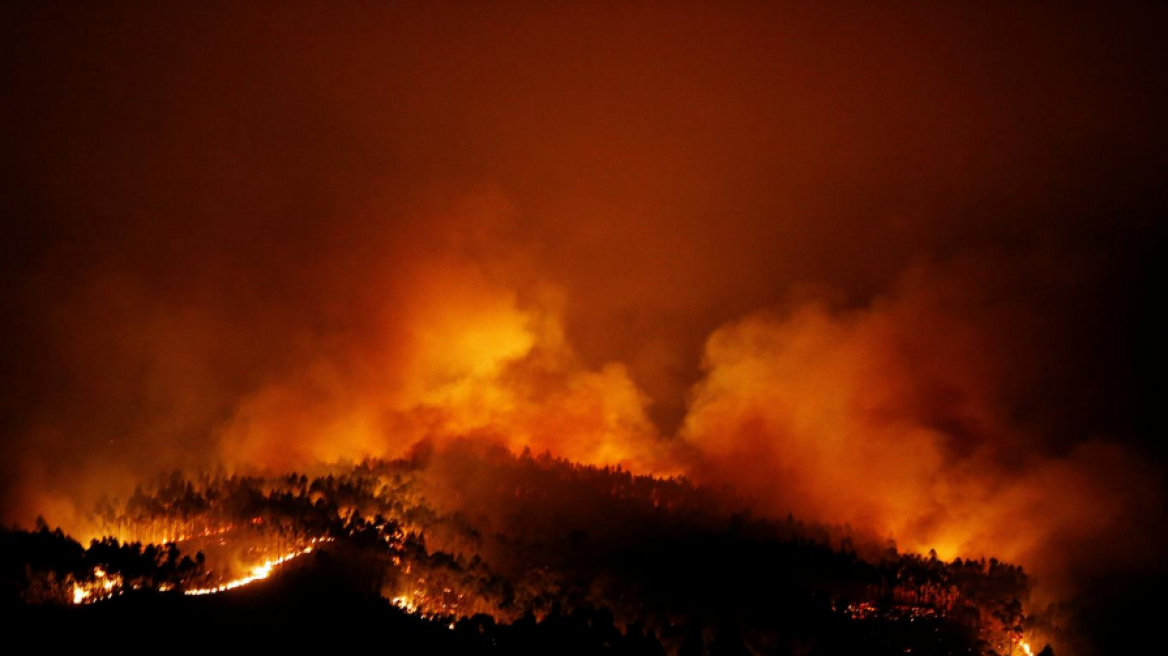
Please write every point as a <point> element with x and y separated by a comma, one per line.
<point>886,267</point>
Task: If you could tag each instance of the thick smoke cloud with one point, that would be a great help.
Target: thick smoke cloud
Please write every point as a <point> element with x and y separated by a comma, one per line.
<point>885,267</point>
<point>922,415</point>
<point>455,353</point>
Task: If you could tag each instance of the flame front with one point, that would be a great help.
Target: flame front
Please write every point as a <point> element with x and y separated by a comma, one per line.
<point>103,586</point>
<point>259,572</point>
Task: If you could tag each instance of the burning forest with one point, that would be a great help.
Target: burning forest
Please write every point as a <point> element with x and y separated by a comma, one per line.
<point>588,327</point>
<point>670,567</point>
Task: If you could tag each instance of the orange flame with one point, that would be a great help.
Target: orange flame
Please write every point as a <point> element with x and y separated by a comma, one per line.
<point>258,573</point>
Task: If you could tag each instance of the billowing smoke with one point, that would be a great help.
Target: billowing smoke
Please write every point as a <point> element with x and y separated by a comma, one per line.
<point>456,353</point>
<point>886,268</point>
<point>923,414</point>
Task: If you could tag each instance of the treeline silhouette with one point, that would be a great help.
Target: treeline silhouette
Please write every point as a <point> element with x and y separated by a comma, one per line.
<point>532,554</point>
<point>48,567</point>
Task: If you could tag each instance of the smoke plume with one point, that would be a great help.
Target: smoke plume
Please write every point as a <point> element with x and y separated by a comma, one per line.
<point>881,267</point>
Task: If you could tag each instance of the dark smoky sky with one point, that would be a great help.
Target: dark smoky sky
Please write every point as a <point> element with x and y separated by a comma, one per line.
<point>205,200</point>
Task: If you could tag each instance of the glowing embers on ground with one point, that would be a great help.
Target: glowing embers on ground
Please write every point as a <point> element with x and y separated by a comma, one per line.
<point>412,607</point>
<point>259,572</point>
<point>102,587</point>
<point>868,610</point>
<point>430,602</point>
<point>107,585</point>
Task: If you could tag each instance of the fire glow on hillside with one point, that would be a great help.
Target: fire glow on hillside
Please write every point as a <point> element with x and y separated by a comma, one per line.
<point>375,518</point>
<point>258,573</point>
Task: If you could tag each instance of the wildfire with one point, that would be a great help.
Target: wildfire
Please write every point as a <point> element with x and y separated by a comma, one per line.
<point>1024,648</point>
<point>405,604</point>
<point>259,572</point>
<point>103,586</point>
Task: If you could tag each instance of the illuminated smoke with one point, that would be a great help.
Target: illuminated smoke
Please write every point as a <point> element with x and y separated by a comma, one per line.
<point>471,360</point>
<point>905,416</point>
<point>271,243</point>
